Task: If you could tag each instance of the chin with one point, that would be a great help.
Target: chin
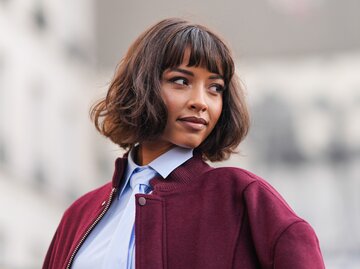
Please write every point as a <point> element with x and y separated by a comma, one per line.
<point>187,144</point>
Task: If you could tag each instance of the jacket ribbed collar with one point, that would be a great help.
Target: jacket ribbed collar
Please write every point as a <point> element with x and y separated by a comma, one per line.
<point>179,178</point>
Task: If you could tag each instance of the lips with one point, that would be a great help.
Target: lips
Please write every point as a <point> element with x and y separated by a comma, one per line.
<point>195,120</point>
<point>193,124</point>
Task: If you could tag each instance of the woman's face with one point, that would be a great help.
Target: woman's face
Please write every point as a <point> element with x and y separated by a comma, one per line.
<point>193,97</point>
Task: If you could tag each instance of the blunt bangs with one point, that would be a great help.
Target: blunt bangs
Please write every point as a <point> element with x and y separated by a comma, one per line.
<point>206,50</point>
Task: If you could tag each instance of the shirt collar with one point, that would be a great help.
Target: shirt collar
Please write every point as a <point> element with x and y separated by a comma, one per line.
<point>164,164</point>
<point>170,160</point>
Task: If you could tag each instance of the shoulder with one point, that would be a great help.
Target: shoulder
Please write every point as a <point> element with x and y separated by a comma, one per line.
<point>280,236</point>
<point>86,208</point>
<point>247,181</point>
<point>261,200</point>
<point>75,221</point>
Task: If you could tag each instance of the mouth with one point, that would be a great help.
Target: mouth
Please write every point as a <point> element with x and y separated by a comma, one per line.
<point>193,123</point>
<point>194,120</point>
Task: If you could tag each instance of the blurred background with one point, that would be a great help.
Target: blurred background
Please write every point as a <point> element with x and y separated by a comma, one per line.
<point>299,60</point>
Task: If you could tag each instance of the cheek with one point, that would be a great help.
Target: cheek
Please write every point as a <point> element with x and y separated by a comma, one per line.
<point>170,107</point>
<point>167,101</point>
<point>174,103</point>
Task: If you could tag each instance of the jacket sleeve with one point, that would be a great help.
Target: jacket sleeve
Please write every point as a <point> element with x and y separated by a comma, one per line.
<point>298,248</point>
<point>282,240</point>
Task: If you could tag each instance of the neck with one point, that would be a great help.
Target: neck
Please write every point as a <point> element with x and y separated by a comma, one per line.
<point>149,151</point>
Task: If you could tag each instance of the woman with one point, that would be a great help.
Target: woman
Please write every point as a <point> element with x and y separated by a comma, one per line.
<point>173,103</point>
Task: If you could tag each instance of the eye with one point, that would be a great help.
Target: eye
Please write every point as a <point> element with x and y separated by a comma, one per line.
<point>179,81</point>
<point>217,88</point>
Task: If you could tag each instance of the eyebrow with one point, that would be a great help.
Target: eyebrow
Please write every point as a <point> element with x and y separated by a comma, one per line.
<point>187,72</point>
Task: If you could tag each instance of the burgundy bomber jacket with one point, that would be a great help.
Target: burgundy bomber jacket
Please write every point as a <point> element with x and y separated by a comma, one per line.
<point>198,217</point>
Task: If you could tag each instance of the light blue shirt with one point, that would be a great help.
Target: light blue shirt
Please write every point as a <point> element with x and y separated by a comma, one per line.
<point>100,248</point>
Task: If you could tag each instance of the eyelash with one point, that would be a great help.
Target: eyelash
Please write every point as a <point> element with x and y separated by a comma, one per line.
<point>173,80</point>
<point>219,88</point>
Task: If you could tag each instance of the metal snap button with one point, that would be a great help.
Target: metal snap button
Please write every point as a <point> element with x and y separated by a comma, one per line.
<point>142,201</point>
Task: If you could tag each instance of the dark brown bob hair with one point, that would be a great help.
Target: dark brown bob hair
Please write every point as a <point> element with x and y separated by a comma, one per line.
<point>133,110</point>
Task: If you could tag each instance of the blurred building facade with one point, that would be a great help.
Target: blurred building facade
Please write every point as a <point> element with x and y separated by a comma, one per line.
<point>47,144</point>
<point>56,59</point>
<point>306,141</point>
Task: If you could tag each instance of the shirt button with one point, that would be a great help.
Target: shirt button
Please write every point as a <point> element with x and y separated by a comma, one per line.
<point>142,201</point>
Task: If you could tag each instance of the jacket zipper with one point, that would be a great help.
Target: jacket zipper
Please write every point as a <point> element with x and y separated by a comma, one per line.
<point>91,227</point>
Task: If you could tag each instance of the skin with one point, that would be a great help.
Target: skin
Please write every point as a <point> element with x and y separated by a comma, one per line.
<point>193,97</point>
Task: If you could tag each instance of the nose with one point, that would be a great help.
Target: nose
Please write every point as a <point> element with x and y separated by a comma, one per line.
<point>197,100</point>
